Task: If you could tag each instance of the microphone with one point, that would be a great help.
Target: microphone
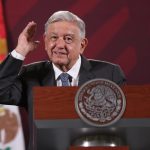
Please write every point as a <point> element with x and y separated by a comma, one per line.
<point>70,79</point>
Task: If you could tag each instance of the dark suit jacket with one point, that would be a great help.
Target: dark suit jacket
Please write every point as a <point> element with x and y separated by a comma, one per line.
<point>16,84</point>
<point>17,81</point>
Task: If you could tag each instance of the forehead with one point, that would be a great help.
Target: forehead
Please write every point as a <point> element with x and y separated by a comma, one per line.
<point>63,27</point>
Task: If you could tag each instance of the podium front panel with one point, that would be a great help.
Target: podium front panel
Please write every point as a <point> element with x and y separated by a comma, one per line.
<point>58,124</point>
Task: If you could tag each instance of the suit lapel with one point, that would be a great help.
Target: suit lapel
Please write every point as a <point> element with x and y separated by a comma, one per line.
<point>48,78</point>
<point>85,74</point>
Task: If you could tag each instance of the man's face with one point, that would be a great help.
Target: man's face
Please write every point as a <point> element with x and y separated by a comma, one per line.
<point>64,44</point>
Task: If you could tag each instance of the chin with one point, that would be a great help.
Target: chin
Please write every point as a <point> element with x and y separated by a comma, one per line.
<point>60,62</point>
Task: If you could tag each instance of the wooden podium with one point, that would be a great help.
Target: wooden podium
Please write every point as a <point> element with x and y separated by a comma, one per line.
<point>58,124</point>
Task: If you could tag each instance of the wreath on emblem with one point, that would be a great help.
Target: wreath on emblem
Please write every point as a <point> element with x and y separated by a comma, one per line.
<point>99,103</point>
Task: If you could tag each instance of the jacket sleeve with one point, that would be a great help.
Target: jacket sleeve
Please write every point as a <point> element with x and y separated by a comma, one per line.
<point>118,75</point>
<point>10,82</point>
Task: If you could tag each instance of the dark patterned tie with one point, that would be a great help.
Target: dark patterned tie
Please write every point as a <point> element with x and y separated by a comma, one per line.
<point>64,77</point>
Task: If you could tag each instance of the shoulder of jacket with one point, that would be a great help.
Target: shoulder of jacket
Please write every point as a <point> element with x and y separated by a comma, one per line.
<point>94,61</point>
<point>36,66</point>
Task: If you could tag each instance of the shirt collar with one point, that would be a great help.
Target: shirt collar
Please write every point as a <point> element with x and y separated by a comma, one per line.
<point>73,72</point>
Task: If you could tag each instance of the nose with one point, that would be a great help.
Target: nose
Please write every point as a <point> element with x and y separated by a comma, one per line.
<point>60,42</point>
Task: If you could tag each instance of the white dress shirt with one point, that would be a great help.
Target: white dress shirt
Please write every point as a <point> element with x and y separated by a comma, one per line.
<point>73,72</point>
<point>17,55</point>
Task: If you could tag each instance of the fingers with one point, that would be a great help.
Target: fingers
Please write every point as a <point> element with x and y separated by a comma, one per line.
<point>30,30</point>
<point>26,43</point>
<point>36,43</point>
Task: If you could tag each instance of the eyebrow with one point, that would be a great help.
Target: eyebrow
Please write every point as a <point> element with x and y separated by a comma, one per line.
<point>67,34</point>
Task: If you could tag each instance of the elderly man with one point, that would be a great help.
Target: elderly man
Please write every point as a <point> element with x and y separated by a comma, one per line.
<point>65,41</point>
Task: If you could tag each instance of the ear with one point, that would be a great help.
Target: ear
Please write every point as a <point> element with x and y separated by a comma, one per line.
<point>84,44</point>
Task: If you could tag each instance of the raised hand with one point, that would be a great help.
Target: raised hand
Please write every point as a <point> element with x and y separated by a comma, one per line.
<point>26,42</point>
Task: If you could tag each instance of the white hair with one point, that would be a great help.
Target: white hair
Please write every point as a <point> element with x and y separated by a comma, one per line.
<point>66,16</point>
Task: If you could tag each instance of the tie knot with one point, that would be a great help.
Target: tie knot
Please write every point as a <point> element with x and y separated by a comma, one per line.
<point>64,77</point>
